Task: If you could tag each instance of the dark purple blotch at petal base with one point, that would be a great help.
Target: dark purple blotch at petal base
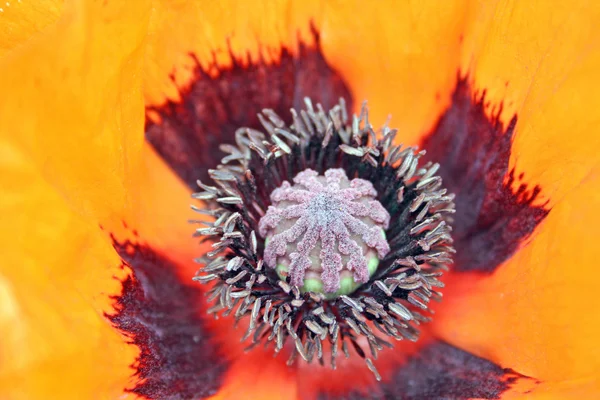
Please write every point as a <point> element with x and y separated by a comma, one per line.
<point>440,371</point>
<point>473,149</point>
<point>212,109</point>
<point>161,315</point>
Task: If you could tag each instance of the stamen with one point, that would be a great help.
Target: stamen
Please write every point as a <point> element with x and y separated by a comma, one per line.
<point>355,197</point>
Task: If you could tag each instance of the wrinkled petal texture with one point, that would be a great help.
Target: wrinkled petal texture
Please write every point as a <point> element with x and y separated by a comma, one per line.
<point>542,64</point>
<point>55,279</point>
<point>542,303</point>
<point>72,107</point>
<point>82,133</point>
<point>20,19</point>
<point>74,157</point>
<point>395,64</point>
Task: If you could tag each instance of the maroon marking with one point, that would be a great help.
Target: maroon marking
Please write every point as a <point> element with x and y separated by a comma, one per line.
<point>440,371</point>
<point>211,109</point>
<point>473,151</point>
<point>161,315</point>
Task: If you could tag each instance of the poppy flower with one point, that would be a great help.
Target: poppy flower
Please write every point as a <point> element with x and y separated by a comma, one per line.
<point>113,110</point>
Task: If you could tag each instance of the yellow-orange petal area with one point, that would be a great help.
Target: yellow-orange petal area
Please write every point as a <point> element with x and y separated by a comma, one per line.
<point>541,62</point>
<point>21,19</point>
<point>537,313</point>
<point>402,57</point>
<point>212,32</point>
<point>567,390</point>
<point>162,214</point>
<point>73,103</point>
<point>56,276</point>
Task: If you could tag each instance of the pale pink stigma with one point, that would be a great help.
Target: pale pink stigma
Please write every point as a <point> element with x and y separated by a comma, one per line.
<point>341,217</point>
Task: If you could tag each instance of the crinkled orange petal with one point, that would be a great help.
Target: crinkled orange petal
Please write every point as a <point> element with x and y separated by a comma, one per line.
<point>542,63</point>
<point>568,390</point>
<point>401,57</point>
<point>259,376</point>
<point>73,103</point>
<point>162,215</point>
<point>56,276</point>
<point>70,125</point>
<point>20,19</point>
<point>538,313</point>
<point>179,29</point>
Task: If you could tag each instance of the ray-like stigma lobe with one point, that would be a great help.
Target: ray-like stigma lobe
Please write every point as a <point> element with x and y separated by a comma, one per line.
<point>212,109</point>
<point>473,150</point>
<point>162,316</point>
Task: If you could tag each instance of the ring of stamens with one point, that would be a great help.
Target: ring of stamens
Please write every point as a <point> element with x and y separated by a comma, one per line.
<point>388,304</point>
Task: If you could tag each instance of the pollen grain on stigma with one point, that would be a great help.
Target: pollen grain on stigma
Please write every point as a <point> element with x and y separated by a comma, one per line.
<point>349,255</point>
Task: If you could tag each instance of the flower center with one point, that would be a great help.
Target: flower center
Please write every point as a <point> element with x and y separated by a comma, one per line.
<point>356,234</point>
<point>325,232</point>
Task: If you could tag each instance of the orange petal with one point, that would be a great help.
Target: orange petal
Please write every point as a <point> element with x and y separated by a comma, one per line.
<point>19,20</point>
<point>56,277</point>
<point>403,58</point>
<point>541,63</point>
<point>537,313</point>
<point>178,29</point>
<point>161,217</point>
<point>541,66</point>
<point>569,390</point>
<point>73,102</point>
<point>259,376</point>
<point>71,92</point>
